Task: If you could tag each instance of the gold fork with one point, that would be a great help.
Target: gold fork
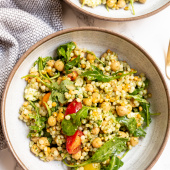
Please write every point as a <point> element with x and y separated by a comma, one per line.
<point>168,62</point>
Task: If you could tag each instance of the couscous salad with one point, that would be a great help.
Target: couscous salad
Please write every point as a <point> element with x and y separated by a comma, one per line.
<point>112,4</point>
<point>84,111</point>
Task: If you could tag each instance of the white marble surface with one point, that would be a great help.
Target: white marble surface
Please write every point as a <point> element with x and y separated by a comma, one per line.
<point>153,34</point>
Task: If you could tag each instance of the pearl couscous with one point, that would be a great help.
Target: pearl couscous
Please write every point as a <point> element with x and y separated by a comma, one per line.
<point>83,110</point>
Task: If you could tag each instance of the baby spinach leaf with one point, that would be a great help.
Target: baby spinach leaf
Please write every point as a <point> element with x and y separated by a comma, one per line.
<point>139,132</point>
<point>64,51</point>
<point>114,164</point>
<point>72,64</point>
<point>68,127</point>
<point>108,149</point>
<point>138,97</point>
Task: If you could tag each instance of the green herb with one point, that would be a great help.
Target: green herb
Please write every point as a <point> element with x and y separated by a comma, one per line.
<point>64,51</point>
<point>107,7</point>
<point>131,126</point>
<point>146,83</point>
<point>131,3</point>
<point>39,122</point>
<point>145,113</point>
<point>48,109</point>
<point>136,91</point>
<point>69,127</point>
<point>114,164</point>
<point>97,75</point>
<point>155,114</point>
<point>48,135</point>
<point>108,149</point>
<point>138,97</point>
<point>139,132</point>
<point>72,63</point>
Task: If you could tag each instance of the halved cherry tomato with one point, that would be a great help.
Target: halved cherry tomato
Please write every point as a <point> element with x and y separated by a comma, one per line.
<point>73,75</point>
<point>73,107</point>
<point>73,143</point>
<point>45,99</point>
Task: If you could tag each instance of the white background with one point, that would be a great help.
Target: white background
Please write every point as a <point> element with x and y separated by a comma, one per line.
<point>153,34</point>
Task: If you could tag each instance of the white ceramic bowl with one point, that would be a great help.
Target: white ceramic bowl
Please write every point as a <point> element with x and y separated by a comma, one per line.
<point>141,10</point>
<point>140,157</point>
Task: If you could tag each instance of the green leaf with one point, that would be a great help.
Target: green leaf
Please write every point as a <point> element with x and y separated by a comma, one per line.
<point>136,91</point>
<point>114,164</point>
<point>81,114</point>
<point>145,113</point>
<point>97,75</point>
<point>39,122</point>
<point>64,51</point>
<point>131,126</point>
<point>139,132</point>
<point>130,123</point>
<point>138,97</point>
<point>61,97</point>
<point>69,127</point>
<point>108,149</point>
<point>72,63</point>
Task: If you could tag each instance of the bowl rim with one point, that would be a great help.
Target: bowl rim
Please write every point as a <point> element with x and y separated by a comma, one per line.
<point>81,10</point>
<point>32,48</point>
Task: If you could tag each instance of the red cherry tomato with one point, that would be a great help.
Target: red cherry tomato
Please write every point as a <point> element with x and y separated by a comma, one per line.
<point>73,143</point>
<point>73,107</point>
<point>73,75</point>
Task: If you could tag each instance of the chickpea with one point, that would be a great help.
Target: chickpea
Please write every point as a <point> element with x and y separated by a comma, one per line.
<point>96,97</point>
<point>89,87</point>
<point>35,149</point>
<point>111,3</point>
<point>59,158</point>
<point>122,134</point>
<point>87,101</point>
<point>51,63</point>
<point>97,143</point>
<point>60,117</point>
<point>121,3</point>
<point>106,106</point>
<point>59,65</point>
<point>115,66</point>
<point>142,1</point>
<point>134,141</point>
<point>122,110</point>
<point>49,158</point>
<point>52,121</point>
<point>95,131</point>
<point>91,57</point>
<point>35,139</point>
<point>44,141</point>
<point>77,155</point>
<point>54,151</point>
